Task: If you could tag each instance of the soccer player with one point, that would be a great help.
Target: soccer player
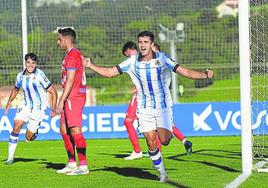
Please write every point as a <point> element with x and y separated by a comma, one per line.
<point>71,104</point>
<point>150,72</point>
<point>130,48</point>
<point>35,86</point>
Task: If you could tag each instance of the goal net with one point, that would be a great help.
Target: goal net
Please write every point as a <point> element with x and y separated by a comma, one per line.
<point>259,80</point>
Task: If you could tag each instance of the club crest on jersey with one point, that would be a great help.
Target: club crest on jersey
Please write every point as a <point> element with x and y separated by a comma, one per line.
<point>157,62</point>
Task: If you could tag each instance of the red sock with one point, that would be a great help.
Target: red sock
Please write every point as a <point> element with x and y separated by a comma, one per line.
<point>132,135</point>
<point>178,134</point>
<point>81,147</point>
<point>159,145</point>
<point>69,147</point>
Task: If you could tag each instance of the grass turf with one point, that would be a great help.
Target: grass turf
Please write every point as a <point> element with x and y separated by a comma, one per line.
<point>215,162</point>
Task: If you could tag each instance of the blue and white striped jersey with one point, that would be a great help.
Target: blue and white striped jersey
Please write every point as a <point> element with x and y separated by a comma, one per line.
<point>152,79</point>
<point>34,88</point>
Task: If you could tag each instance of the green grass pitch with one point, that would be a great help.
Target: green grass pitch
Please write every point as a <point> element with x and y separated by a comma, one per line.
<point>215,162</point>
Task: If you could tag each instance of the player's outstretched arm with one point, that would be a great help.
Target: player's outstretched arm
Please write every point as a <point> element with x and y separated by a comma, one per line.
<point>107,72</point>
<point>12,96</point>
<point>192,74</point>
<point>54,95</point>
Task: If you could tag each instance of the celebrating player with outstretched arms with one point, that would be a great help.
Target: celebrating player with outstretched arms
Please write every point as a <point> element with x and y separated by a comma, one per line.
<point>150,72</point>
<point>130,48</point>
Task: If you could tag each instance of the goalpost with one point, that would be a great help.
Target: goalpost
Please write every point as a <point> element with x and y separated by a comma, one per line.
<point>244,56</point>
<point>253,42</point>
<point>245,96</point>
<point>24,29</point>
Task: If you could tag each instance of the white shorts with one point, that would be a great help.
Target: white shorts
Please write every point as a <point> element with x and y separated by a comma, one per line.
<point>151,119</point>
<point>32,117</point>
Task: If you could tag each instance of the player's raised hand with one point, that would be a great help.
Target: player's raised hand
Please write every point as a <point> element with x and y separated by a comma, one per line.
<point>209,73</point>
<point>86,61</point>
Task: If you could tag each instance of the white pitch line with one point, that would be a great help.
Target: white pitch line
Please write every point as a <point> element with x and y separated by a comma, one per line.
<point>240,179</point>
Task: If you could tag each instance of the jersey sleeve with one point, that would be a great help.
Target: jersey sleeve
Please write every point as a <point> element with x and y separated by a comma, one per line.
<point>170,63</point>
<point>124,66</point>
<point>71,61</point>
<point>18,81</point>
<point>44,81</point>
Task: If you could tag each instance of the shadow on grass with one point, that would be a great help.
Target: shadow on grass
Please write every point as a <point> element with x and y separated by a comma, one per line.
<point>199,152</point>
<point>121,156</point>
<point>116,155</point>
<point>129,172</point>
<point>55,166</point>
<point>25,160</point>
<point>136,173</point>
<point>204,152</point>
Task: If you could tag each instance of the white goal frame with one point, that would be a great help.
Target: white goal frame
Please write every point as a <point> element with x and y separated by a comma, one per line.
<point>245,92</point>
<point>245,87</point>
<point>24,30</point>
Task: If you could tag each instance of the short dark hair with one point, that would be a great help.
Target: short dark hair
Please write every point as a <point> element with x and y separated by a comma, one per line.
<point>31,56</point>
<point>129,45</point>
<point>67,32</point>
<point>146,34</point>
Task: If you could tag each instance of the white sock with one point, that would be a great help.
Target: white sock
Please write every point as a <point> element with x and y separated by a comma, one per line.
<point>157,161</point>
<point>13,142</point>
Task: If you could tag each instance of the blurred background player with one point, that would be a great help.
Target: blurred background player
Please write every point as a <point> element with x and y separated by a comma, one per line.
<point>35,86</point>
<point>130,48</point>
<point>71,103</point>
<point>156,47</point>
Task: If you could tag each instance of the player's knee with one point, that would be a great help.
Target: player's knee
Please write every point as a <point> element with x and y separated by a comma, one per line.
<point>165,141</point>
<point>29,137</point>
<point>31,133</point>
<point>75,130</point>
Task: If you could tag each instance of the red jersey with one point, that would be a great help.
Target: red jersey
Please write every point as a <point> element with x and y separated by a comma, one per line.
<point>73,61</point>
